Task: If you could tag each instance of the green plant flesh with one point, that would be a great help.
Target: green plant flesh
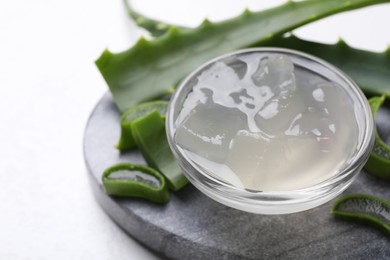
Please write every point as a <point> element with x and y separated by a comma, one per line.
<point>150,137</point>
<point>131,180</point>
<point>364,209</point>
<point>370,70</point>
<point>126,140</point>
<point>151,69</point>
<point>379,162</point>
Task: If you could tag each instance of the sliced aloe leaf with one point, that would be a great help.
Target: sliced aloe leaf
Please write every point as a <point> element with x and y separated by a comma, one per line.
<point>126,140</point>
<point>378,163</point>
<point>151,69</point>
<point>132,180</point>
<point>150,137</point>
<point>364,209</point>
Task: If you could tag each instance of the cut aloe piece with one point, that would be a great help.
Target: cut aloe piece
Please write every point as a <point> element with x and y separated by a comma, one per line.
<point>366,209</point>
<point>151,69</point>
<point>132,180</point>
<point>378,163</point>
<point>126,140</point>
<point>150,137</point>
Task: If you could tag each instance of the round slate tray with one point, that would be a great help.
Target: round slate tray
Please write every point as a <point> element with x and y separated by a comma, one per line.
<point>192,226</point>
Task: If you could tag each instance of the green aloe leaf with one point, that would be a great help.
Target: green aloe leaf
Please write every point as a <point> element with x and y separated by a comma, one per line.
<point>155,27</point>
<point>126,139</point>
<point>132,180</point>
<point>379,162</point>
<point>370,70</point>
<point>150,137</point>
<point>366,209</point>
<point>151,69</point>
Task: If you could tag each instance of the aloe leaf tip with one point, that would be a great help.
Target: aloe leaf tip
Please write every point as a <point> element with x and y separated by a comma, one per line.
<point>206,22</point>
<point>246,12</point>
<point>104,59</point>
<point>142,41</point>
<point>341,42</point>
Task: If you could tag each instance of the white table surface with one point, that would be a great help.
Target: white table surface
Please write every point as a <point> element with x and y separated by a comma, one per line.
<point>49,86</point>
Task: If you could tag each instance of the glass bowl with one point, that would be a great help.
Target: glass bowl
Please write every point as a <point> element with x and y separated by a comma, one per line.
<point>285,201</point>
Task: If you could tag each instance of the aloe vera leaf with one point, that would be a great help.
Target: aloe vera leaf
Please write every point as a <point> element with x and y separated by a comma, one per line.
<point>378,163</point>
<point>126,140</point>
<point>132,180</point>
<point>151,69</point>
<point>150,137</point>
<point>366,209</point>
<point>370,70</point>
<point>155,27</point>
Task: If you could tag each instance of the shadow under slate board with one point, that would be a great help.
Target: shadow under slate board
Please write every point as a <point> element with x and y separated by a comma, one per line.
<point>192,226</point>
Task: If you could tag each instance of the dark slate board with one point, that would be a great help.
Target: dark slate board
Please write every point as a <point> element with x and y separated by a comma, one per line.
<point>192,226</point>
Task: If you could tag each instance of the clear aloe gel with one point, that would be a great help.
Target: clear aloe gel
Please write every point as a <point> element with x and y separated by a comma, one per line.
<point>136,176</point>
<point>261,122</point>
